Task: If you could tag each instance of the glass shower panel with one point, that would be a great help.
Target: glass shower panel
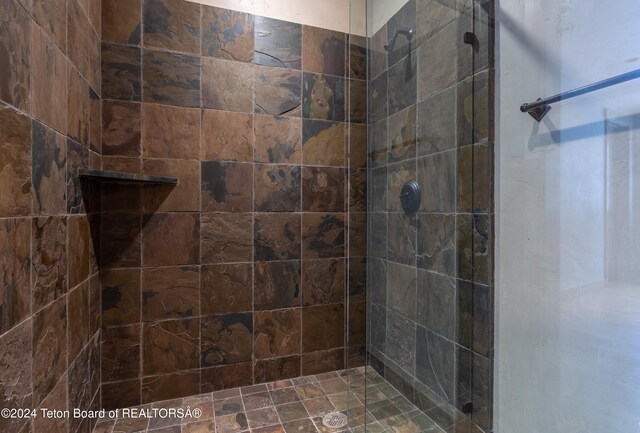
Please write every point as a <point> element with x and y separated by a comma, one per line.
<point>429,282</point>
<point>568,329</point>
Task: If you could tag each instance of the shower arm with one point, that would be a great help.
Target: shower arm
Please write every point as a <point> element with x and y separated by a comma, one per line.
<point>401,31</point>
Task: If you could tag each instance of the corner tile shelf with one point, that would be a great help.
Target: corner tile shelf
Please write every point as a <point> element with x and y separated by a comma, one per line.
<point>115,176</point>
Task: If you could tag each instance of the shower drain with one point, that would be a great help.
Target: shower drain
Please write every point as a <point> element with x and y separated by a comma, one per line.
<point>334,420</point>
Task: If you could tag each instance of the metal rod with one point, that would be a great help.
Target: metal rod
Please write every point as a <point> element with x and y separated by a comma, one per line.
<point>541,106</point>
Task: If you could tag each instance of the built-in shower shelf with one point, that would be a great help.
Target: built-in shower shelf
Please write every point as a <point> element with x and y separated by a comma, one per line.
<point>116,176</point>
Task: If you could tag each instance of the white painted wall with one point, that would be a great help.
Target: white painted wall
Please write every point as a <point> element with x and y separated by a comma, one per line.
<point>568,195</point>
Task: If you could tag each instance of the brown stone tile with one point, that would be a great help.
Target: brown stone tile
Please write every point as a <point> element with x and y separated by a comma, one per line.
<point>323,97</point>
<point>83,44</point>
<point>79,386</point>
<point>277,285</point>
<point>170,292</point>
<point>401,135</point>
<point>95,123</point>
<point>227,136</point>
<point>357,102</point>
<point>121,242</point>
<point>278,428</point>
<point>15,375</point>
<point>300,426</point>
<point>52,18</point>
<point>120,296</point>
<point>284,395</point>
<point>323,143</point>
<point>322,327</point>
<point>226,186</point>
<point>324,51</point>
<point>131,425</point>
<point>205,426</point>
<point>358,191</point>
<point>79,250</point>
<point>227,85</point>
<point>323,235</point>
<point>267,370</point>
<point>322,361</point>
<point>121,21</point>
<point>357,57</point>
<point>120,394</point>
<point>234,423</point>
<point>436,77</point>
<point>227,34</point>
<point>226,288</point>
<point>436,176</point>
<point>56,400</point>
<point>357,234</point>
<point>49,348</point>
<point>226,339</point>
<point>277,188</point>
<point>95,307</point>
<point>77,158</point>
<point>170,386</point>
<point>78,107</point>
<point>15,55</point>
<point>171,25</point>
<point>126,164</point>
<point>277,236</point>
<point>256,400</point>
<point>170,132</point>
<point>49,260</point>
<point>277,92</point>
<point>170,346</point>
<point>15,174</point>
<point>226,238</point>
<point>48,66</point>
<point>323,189</point>
<point>121,72</point>
<point>120,353</point>
<point>318,407</point>
<point>278,43</point>
<point>277,139</point>
<point>170,239</point>
<point>171,78</point>
<point>226,376</point>
<point>262,417</point>
<point>78,319</point>
<point>358,145</point>
<point>183,197</point>
<point>474,178</point>
<point>121,128</point>
<point>323,281</point>
<point>277,333</point>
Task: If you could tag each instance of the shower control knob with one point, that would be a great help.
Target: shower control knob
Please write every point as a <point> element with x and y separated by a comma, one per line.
<point>410,197</point>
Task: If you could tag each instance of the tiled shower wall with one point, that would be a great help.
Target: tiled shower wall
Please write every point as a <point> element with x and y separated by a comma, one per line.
<point>430,293</point>
<point>248,270</point>
<point>49,286</point>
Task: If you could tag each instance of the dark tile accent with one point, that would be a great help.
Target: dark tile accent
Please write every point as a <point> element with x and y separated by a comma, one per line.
<point>323,235</point>
<point>15,177</point>
<point>226,288</point>
<point>323,281</point>
<point>401,136</point>
<point>121,241</point>
<point>323,189</point>
<point>170,239</point>
<point>121,73</point>
<point>277,236</point>
<point>277,285</point>
<point>322,327</point>
<point>277,139</point>
<point>404,18</point>
<point>435,362</point>
<point>437,76</point>
<point>170,292</point>
<point>121,126</point>
<point>49,260</point>
<point>378,101</point>
<point>78,111</point>
<point>170,132</point>
<point>225,187</point>
<point>49,348</point>
<point>48,172</point>
<point>323,97</point>
<point>267,370</point>
<point>473,234</point>
<point>227,85</point>
<point>227,34</point>
<point>319,362</point>
<point>436,115</point>
<point>436,177</point>
<point>170,346</point>
<point>357,57</point>
<point>278,43</point>
<point>226,238</point>
<point>170,386</point>
<point>277,188</point>
<point>227,136</point>
<point>171,78</point>
<point>15,375</point>
<point>402,83</point>
<point>277,333</point>
<point>226,376</point>
<point>184,197</point>
<point>277,92</point>
<point>121,21</point>
<point>401,234</point>
<point>172,25</point>
<point>437,243</point>
<point>120,350</point>
<point>15,54</point>
<point>400,341</point>
<point>324,51</point>
<point>121,297</point>
<point>226,339</point>
<point>324,143</point>
<point>401,298</point>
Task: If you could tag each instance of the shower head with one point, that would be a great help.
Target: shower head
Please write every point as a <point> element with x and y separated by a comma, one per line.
<point>402,31</point>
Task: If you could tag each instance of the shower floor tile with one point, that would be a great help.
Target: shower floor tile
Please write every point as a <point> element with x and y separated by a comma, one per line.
<point>288,406</point>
